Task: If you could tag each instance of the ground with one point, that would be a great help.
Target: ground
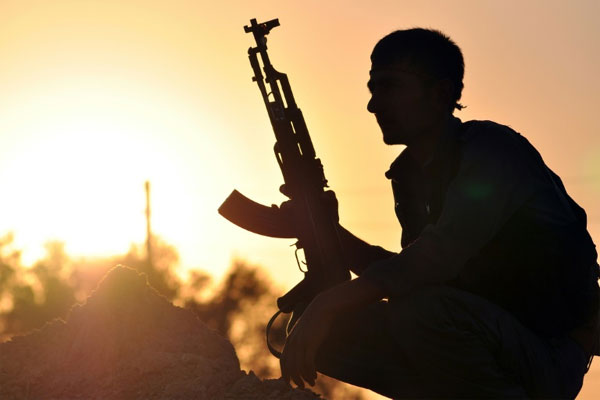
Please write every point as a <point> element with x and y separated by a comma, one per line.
<point>128,342</point>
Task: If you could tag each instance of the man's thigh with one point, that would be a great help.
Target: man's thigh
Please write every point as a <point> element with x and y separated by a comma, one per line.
<point>443,342</point>
<point>361,351</point>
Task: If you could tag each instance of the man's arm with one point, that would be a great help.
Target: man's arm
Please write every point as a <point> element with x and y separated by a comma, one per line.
<point>360,253</point>
<point>496,177</point>
<point>298,356</point>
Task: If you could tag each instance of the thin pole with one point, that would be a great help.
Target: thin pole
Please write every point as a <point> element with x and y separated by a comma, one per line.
<point>148,230</point>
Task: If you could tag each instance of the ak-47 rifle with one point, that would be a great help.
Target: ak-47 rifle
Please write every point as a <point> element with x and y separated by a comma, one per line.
<point>311,221</point>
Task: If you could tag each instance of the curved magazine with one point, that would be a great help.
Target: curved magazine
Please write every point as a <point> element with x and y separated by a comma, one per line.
<point>255,217</point>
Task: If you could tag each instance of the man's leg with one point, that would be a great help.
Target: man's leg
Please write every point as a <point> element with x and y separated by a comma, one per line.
<point>442,342</point>
<point>360,350</point>
<point>465,346</point>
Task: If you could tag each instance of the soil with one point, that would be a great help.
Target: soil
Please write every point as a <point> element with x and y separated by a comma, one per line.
<point>128,342</point>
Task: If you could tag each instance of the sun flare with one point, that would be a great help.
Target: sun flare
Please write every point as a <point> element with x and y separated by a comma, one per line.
<point>79,173</point>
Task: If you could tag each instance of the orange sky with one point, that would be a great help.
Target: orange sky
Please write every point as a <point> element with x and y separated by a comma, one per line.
<point>98,96</point>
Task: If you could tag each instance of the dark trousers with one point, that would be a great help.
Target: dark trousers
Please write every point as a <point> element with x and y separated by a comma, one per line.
<point>445,343</point>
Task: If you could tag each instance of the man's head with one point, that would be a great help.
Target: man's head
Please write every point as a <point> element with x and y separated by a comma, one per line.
<point>415,80</point>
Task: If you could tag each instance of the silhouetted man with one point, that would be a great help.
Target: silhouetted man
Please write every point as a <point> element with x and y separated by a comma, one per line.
<point>494,293</point>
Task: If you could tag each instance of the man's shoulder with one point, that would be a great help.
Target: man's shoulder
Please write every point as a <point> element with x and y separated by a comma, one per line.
<point>488,131</point>
<point>493,139</point>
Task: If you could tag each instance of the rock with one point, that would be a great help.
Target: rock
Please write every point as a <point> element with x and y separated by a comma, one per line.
<point>128,342</point>
<point>250,387</point>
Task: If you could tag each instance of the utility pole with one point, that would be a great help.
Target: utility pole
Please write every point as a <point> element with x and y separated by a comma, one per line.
<point>148,230</point>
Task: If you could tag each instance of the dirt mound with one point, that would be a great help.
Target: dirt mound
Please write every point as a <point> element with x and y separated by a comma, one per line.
<point>128,342</point>
<point>251,388</point>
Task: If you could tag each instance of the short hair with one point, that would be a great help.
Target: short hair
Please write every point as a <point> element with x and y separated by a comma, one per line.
<point>429,50</point>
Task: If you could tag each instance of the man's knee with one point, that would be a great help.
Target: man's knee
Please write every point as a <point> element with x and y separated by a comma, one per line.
<point>433,316</point>
<point>430,303</point>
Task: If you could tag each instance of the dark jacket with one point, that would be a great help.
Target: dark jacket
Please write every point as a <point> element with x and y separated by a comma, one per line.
<point>541,270</point>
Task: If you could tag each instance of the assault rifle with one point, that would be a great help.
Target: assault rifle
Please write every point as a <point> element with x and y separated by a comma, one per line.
<point>311,219</point>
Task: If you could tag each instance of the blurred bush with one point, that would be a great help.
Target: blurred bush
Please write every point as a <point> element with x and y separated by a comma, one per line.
<point>239,307</point>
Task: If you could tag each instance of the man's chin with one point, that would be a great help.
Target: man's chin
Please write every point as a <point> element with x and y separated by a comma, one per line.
<point>391,139</point>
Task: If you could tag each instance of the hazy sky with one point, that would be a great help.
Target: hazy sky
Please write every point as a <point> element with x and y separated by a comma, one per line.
<point>98,96</point>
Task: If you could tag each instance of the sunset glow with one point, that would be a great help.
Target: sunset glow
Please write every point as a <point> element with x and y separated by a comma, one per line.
<point>96,97</point>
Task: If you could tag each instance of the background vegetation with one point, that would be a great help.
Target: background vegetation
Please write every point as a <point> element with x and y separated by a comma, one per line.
<point>238,307</point>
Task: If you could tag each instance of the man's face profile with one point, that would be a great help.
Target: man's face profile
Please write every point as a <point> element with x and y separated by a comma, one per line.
<point>402,100</point>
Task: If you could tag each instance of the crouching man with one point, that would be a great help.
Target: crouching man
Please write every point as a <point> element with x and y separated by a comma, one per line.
<point>494,293</point>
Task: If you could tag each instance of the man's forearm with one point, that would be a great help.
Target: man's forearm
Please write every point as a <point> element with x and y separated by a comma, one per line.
<point>360,253</point>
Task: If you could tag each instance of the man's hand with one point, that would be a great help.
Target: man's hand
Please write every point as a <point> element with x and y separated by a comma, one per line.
<point>329,200</point>
<point>298,356</point>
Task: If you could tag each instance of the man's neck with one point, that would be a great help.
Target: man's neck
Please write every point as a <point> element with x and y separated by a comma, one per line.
<point>423,149</point>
